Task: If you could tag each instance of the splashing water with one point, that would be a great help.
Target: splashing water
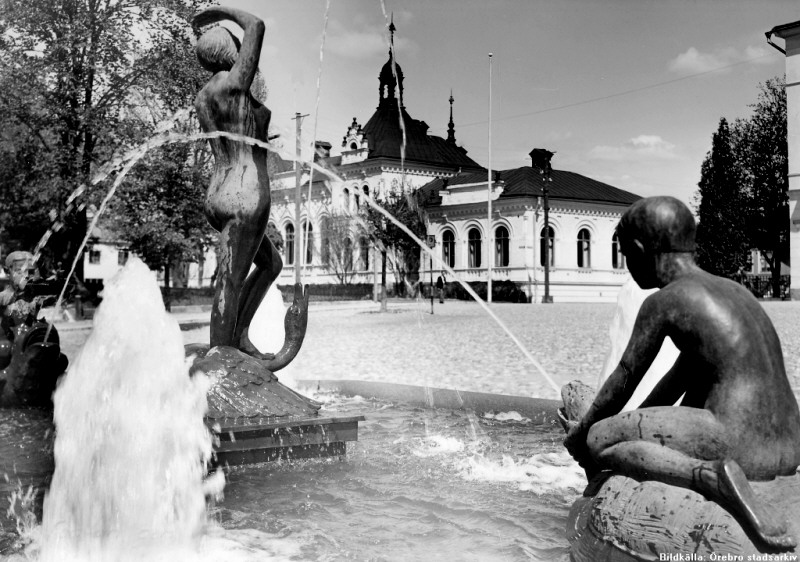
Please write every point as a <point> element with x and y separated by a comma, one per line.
<point>131,449</point>
<point>544,472</point>
<point>131,444</point>
<point>316,122</point>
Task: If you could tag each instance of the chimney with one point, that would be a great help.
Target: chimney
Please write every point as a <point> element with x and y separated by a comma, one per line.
<point>322,149</point>
<point>540,160</point>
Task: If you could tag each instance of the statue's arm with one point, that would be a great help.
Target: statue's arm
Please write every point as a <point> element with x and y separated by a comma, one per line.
<point>244,69</point>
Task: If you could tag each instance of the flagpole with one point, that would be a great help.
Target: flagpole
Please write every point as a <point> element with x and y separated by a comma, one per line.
<point>489,245</point>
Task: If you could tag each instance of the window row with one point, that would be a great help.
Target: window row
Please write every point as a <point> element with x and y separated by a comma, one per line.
<point>353,202</point>
<point>95,256</point>
<point>336,247</point>
<point>547,248</point>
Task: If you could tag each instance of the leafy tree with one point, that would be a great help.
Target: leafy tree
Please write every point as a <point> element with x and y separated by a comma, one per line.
<point>722,245</point>
<point>338,232</point>
<point>743,198</point>
<point>393,241</point>
<point>160,212</point>
<point>69,70</point>
<point>763,152</point>
<point>275,236</point>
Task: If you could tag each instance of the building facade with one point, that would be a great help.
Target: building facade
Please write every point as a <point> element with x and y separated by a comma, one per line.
<point>393,152</point>
<point>586,264</point>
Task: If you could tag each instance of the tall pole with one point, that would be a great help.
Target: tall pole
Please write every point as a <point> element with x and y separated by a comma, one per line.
<point>489,245</point>
<point>545,193</point>
<point>540,158</point>
<point>431,244</point>
<point>535,256</point>
<point>298,246</point>
<point>431,268</point>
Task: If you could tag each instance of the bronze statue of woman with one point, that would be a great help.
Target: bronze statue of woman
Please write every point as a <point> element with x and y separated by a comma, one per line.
<point>238,200</point>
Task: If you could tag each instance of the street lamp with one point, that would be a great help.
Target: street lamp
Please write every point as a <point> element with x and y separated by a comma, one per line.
<point>431,244</point>
<point>540,159</point>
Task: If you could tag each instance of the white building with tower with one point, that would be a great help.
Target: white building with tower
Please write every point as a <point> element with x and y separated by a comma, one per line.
<point>383,156</point>
<point>376,158</point>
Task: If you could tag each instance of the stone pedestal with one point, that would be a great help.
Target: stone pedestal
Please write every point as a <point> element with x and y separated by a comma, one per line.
<point>258,419</point>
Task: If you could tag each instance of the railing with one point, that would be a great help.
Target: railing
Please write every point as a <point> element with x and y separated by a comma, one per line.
<point>761,285</point>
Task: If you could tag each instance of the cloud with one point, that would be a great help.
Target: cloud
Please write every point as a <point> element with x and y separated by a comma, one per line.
<point>643,147</point>
<point>365,43</point>
<point>695,62</point>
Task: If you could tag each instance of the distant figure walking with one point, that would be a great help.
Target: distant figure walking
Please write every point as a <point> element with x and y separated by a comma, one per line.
<point>440,288</point>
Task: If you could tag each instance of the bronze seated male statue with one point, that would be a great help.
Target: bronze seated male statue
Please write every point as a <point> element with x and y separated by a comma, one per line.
<point>30,355</point>
<point>738,422</point>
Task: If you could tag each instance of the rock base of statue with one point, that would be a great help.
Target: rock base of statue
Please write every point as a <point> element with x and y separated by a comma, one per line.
<point>257,418</point>
<point>621,520</point>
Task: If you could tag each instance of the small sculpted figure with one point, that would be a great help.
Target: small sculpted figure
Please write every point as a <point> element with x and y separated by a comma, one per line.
<point>738,419</point>
<point>30,355</point>
<point>237,204</point>
<point>17,303</point>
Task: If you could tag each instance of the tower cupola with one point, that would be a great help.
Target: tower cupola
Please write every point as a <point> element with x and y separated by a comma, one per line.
<point>388,83</point>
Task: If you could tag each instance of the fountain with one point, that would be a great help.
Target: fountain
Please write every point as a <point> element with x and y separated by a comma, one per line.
<point>148,498</point>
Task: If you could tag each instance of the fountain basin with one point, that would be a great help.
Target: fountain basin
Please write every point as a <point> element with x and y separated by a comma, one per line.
<point>419,484</point>
<point>539,411</point>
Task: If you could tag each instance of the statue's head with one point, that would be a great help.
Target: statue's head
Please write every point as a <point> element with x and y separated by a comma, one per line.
<point>21,268</point>
<point>217,49</point>
<point>651,227</point>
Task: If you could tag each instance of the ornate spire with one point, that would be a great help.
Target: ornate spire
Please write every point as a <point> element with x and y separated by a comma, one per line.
<point>391,76</point>
<point>451,128</point>
<point>392,29</point>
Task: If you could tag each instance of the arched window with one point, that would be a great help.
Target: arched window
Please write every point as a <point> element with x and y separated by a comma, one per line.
<point>501,246</point>
<point>449,248</point>
<point>474,246</point>
<point>346,199</point>
<point>289,252</point>
<point>308,242</point>
<point>366,190</point>
<point>617,257</point>
<point>346,262</point>
<point>364,251</point>
<point>584,248</point>
<point>325,241</point>
<point>353,146</point>
<point>547,240</point>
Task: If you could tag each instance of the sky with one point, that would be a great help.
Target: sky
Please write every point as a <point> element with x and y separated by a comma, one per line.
<point>628,92</point>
